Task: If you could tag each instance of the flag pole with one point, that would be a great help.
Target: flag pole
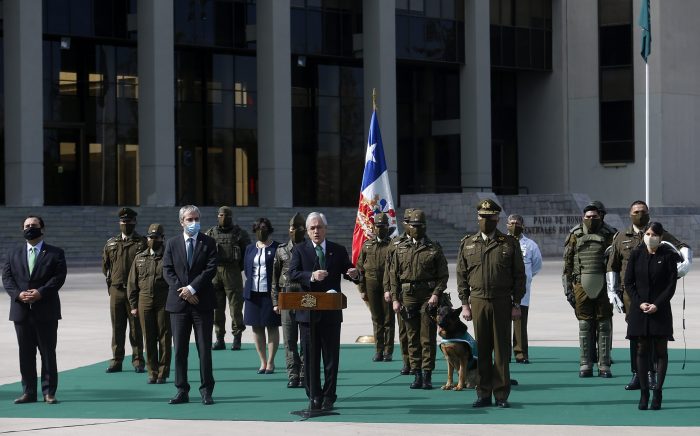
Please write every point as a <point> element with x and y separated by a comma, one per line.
<point>646,134</point>
<point>374,99</point>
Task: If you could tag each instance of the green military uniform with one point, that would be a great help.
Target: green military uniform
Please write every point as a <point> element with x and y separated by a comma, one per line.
<point>231,242</point>
<point>584,272</point>
<point>403,336</point>
<point>117,257</point>
<point>491,278</point>
<point>371,262</point>
<point>622,245</point>
<point>148,291</point>
<point>282,283</point>
<point>419,271</point>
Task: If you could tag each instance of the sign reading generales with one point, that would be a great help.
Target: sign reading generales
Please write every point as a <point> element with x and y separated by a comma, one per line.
<point>550,224</point>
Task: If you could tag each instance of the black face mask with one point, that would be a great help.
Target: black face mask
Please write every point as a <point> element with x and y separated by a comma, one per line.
<point>262,234</point>
<point>593,224</point>
<point>487,226</point>
<point>225,221</point>
<point>640,220</point>
<point>155,244</point>
<point>416,233</point>
<point>515,230</point>
<point>32,233</point>
<point>297,235</point>
<point>127,229</point>
<point>382,232</point>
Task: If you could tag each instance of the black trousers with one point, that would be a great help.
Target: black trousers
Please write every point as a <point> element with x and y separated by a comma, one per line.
<point>327,344</point>
<point>182,324</point>
<point>33,334</point>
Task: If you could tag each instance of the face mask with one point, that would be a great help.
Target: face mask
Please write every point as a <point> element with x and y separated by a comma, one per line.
<point>297,235</point>
<point>487,226</point>
<point>154,244</point>
<point>592,224</point>
<point>32,233</point>
<point>652,242</point>
<point>640,220</point>
<point>192,228</point>
<point>225,221</point>
<point>382,232</point>
<point>416,233</point>
<point>127,229</point>
<point>262,234</point>
<point>515,230</point>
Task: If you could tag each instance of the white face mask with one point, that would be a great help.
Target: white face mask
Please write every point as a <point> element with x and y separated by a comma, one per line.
<point>652,242</point>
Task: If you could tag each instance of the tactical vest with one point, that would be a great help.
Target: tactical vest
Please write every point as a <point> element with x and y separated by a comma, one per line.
<point>589,262</point>
<point>227,244</point>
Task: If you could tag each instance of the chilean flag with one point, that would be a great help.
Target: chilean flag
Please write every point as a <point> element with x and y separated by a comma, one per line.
<point>375,194</point>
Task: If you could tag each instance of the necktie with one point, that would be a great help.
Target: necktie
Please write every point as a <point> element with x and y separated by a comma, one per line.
<point>190,250</point>
<point>32,259</point>
<point>321,257</point>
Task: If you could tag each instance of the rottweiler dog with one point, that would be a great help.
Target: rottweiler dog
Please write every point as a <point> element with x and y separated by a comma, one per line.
<point>456,349</point>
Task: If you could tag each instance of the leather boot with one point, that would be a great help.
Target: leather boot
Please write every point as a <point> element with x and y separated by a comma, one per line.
<point>236,342</point>
<point>219,344</point>
<point>652,380</point>
<point>418,381</point>
<point>656,400</point>
<point>427,382</point>
<point>644,399</point>
<point>633,385</point>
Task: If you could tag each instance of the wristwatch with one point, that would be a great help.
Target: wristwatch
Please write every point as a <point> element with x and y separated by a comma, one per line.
<point>516,305</point>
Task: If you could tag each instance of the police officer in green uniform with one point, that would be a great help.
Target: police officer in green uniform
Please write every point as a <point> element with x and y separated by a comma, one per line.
<point>491,283</point>
<point>623,244</point>
<point>282,283</point>
<point>403,336</point>
<point>420,275</point>
<point>584,286</point>
<point>117,257</point>
<point>231,242</point>
<point>371,263</point>
<point>148,292</point>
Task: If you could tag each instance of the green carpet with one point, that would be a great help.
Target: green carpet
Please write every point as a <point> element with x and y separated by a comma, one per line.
<point>549,392</point>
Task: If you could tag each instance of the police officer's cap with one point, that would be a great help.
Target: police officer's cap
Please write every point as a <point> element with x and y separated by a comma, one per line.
<point>381,219</point>
<point>226,210</point>
<point>488,207</point>
<point>599,205</point>
<point>406,214</point>
<point>417,217</point>
<point>127,213</point>
<point>297,220</point>
<point>155,230</point>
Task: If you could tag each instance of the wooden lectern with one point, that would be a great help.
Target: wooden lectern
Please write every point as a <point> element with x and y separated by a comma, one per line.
<point>312,301</point>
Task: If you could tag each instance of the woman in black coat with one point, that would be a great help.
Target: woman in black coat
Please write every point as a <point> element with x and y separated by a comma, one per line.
<point>650,281</point>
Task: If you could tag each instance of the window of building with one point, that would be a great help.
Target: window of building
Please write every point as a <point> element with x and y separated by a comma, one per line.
<point>616,81</point>
<point>220,23</point>
<point>90,18</point>
<point>325,28</point>
<point>430,30</point>
<point>521,34</point>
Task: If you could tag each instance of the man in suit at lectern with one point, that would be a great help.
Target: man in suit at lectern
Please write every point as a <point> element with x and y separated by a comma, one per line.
<point>318,264</point>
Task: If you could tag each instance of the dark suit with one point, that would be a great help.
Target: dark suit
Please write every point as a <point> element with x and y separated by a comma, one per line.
<point>36,324</point>
<point>185,316</point>
<point>303,263</point>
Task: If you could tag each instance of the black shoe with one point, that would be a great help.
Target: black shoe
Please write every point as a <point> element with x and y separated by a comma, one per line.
<point>503,404</point>
<point>378,357</point>
<point>652,380</point>
<point>327,404</point>
<point>160,381</point>
<point>604,373</point>
<point>417,381</point>
<point>656,400</point>
<point>293,383</point>
<point>644,399</point>
<point>236,343</point>
<point>633,384</point>
<point>151,381</point>
<point>314,404</point>
<point>207,400</point>
<point>50,399</point>
<point>482,402</point>
<point>427,382</point>
<point>25,398</point>
<point>139,369</point>
<point>180,398</point>
<point>405,370</point>
<point>585,373</point>
<point>219,345</point>
<point>114,368</point>
<point>388,358</point>
<point>524,361</point>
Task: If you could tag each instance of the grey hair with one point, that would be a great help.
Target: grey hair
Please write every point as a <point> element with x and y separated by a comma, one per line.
<point>517,218</point>
<point>187,209</point>
<point>314,215</point>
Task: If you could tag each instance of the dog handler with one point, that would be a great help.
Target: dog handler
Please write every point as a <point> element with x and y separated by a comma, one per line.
<point>491,283</point>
